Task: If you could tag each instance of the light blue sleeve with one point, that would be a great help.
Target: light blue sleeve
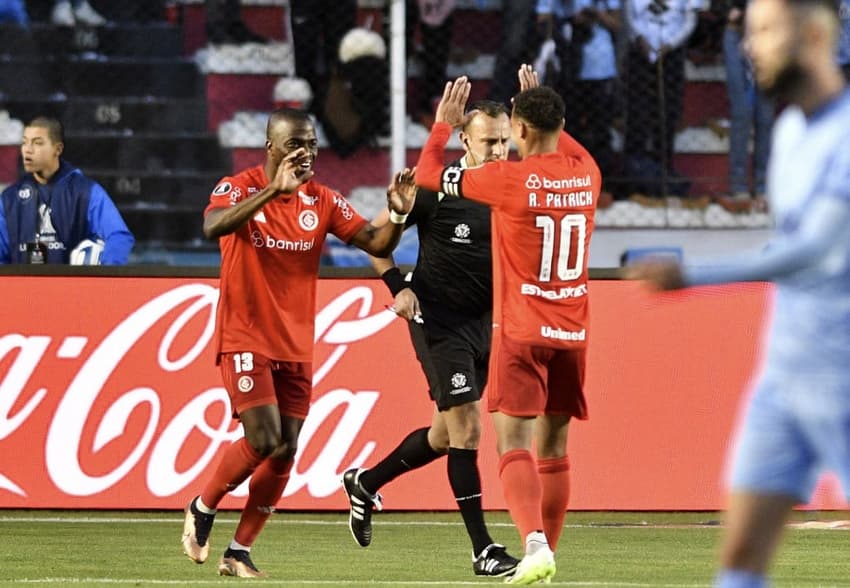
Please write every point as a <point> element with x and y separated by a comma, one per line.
<point>5,252</point>
<point>105,223</point>
<point>825,226</point>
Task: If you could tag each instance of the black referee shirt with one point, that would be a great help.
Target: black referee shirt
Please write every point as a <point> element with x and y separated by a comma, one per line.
<point>454,267</point>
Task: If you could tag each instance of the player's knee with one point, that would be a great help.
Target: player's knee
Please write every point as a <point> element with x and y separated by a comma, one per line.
<point>439,442</point>
<point>471,435</point>
<point>264,443</point>
<point>285,451</point>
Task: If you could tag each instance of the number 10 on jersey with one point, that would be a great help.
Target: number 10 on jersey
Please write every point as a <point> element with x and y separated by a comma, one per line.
<point>570,245</point>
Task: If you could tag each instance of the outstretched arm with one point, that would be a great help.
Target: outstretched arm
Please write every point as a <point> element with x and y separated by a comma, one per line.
<point>825,229</point>
<point>405,301</point>
<point>379,241</point>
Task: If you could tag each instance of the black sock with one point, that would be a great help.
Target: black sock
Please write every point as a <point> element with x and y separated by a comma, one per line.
<point>414,452</point>
<point>466,485</point>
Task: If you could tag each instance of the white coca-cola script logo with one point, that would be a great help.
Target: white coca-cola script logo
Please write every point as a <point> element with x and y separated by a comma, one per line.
<point>195,303</point>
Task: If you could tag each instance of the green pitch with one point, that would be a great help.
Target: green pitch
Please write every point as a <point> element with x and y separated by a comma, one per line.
<point>412,549</point>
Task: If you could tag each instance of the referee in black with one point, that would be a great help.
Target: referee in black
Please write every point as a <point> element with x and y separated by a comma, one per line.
<point>448,303</point>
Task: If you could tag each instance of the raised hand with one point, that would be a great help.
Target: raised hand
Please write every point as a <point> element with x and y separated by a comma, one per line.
<point>291,172</point>
<point>453,103</point>
<point>528,78</point>
<point>401,193</point>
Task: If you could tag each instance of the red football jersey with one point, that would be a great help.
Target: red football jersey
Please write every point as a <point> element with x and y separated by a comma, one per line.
<point>542,218</point>
<point>270,266</point>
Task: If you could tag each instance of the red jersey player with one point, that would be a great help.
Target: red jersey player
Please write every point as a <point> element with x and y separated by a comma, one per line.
<point>542,219</point>
<point>272,221</point>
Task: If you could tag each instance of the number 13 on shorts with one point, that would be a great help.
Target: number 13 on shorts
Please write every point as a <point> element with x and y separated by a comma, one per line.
<point>243,362</point>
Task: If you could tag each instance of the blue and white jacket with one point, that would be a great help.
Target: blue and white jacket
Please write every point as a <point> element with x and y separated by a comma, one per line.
<point>80,209</point>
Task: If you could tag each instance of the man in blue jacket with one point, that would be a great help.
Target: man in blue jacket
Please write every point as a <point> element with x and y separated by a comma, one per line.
<point>53,208</point>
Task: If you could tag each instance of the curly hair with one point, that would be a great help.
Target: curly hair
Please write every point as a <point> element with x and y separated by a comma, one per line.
<point>540,107</point>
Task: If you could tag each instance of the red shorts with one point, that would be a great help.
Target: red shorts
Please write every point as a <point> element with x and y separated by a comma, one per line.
<point>527,380</point>
<point>253,380</point>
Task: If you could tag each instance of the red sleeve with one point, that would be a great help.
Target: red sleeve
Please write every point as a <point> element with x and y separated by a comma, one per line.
<point>345,222</point>
<point>429,168</point>
<point>226,193</point>
<point>482,184</point>
<point>570,147</point>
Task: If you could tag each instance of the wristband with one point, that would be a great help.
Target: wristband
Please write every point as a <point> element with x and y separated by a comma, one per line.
<point>396,218</point>
<point>394,280</point>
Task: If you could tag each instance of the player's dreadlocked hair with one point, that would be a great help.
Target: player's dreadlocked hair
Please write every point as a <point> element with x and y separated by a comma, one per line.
<point>540,107</point>
<point>292,115</point>
<point>489,108</point>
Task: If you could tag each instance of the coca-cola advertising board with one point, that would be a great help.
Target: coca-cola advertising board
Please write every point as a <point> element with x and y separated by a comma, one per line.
<point>110,397</point>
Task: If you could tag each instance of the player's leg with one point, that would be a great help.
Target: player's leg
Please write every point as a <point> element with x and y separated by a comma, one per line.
<point>516,396</point>
<point>523,494</point>
<point>753,530</point>
<point>463,423</point>
<point>553,466</point>
<point>419,448</point>
<point>564,400</point>
<point>293,387</point>
<point>248,380</point>
<point>774,468</point>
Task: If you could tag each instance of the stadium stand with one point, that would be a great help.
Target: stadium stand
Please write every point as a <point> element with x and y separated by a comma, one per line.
<point>157,115</point>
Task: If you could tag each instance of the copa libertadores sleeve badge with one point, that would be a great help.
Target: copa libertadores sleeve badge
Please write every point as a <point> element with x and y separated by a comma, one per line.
<point>451,180</point>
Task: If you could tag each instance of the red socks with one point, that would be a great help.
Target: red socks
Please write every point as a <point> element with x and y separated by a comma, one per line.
<point>237,463</point>
<point>264,491</point>
<point>522,490</point>
<point>555,481</point>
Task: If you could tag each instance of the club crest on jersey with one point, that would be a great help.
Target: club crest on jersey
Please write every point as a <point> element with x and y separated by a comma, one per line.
<point>245,384</point>
<point>308,220</point>
<point>222,189</point>
<point>533,182</point>
<point>25,193</point>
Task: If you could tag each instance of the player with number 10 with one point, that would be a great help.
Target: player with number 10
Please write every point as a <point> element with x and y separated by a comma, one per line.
<point>542,220</point>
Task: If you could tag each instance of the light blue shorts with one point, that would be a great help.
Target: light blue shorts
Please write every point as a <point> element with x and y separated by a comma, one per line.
<point>796,427</point>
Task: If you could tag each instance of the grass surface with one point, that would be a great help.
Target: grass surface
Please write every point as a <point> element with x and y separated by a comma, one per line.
<point>410,549</point>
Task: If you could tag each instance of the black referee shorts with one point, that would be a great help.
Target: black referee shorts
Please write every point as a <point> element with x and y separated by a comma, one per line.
<point>454,358</point>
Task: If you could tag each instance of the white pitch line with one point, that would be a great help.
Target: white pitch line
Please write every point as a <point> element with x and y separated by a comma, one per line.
<point>230,518</point>
<point>178,518</point>
<point>266,582</point>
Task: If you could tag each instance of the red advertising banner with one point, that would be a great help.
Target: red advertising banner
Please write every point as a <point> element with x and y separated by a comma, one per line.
<point>109,397</point>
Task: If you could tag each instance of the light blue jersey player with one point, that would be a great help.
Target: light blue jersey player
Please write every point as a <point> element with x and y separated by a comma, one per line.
<point>798,422</point>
